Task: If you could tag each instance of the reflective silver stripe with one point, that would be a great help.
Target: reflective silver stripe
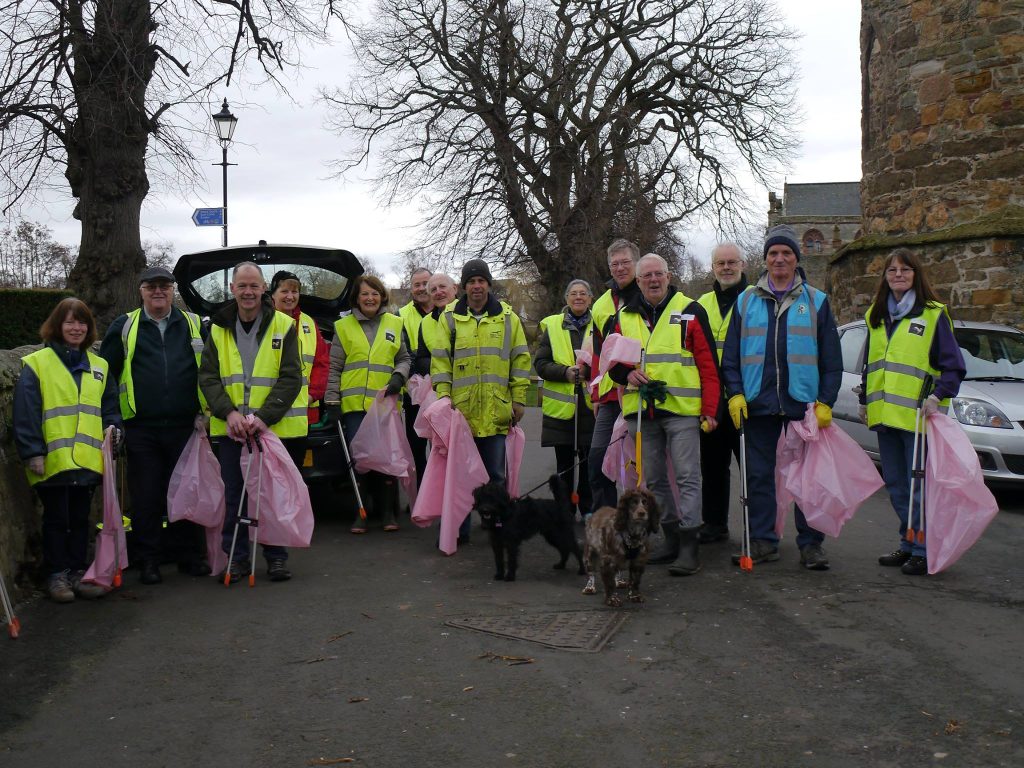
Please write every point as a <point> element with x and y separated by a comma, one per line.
<point>60,410</point>
<point>234,378</point>
<point>295,412</point>
<point>356,365</point>
<point>754,330</point>
<point>471,352</point>
<point>802,330</point>
<point>752,360</point>
<point>122,389</point>
<point>90,410</point>
<point>803,360</point>
<point>671,358</point>
<point>308,358</point>
<point>875,366</point>
<point>888,397</point>
<point>262,381</point>
<point>486,378</point>
<point>381,368</point>
<point>353,392</point>
<point>441,378</point>
<point>305,381</point>
<point>894,367</point>
<point>682,392</point>
<point>522,349</point>
<point>720,343</point>
<point>506,346</point>
<point>519,373</point>
<point>69,442</point>
<point>439,353</point>
<point>563,397</point>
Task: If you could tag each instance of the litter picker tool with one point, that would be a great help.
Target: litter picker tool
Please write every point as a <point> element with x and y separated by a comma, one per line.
<point>13,625</point>
<point>351,473</point>
<point>238,516</point>
<point>118,464</point>
<point>639,424</point>
<point>746,561</point>
<point>917,465</point>
<point>254,522</point>
<point>575,443</point>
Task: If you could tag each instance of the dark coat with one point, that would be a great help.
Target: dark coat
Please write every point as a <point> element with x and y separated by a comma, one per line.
<point>559,431</point>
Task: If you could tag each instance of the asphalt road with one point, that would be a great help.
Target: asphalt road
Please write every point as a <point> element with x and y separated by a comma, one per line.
<point>857,666</point>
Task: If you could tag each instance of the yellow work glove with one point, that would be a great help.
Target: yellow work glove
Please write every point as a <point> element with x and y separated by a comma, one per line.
<point>738,409</point>
<point>823,414</point>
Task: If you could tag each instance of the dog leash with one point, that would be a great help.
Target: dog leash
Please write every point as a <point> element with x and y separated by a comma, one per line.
<point>572,467</point>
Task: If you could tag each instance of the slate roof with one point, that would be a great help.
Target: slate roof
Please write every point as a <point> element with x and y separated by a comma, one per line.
<point>837,198</point>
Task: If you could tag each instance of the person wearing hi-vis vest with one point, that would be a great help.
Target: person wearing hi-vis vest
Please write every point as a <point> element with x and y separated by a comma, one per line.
<point>676,386</point>
<point>153,353</point>
<point>368,355</point>
<point>442,291</point>
<point>413,314</point>
<point>251,375</point>
<point>911,351</point>
<point>484,367</point>
<point>781,353</point>
<point>718,447</point>
<point>63,401</point>
<point>566,404</point>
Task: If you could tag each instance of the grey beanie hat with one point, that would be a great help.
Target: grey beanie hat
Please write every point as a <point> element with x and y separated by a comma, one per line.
<point>783,234</point>
<point>475,268</point>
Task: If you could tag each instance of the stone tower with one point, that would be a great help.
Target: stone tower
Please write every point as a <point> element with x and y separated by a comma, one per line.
<point>943,153</point>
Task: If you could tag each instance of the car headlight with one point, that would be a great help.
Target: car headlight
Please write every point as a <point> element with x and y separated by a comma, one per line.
<point>979,413</point>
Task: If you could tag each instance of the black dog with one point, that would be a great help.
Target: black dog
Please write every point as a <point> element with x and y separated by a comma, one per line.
<point>511,522</point>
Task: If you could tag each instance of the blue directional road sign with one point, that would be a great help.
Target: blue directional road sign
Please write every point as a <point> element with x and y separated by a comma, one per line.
<point>208,217</point>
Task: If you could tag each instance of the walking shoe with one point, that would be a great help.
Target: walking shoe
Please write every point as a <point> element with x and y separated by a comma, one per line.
<point>894,559</point>
<point>915,566</point>
<point>590,588</point>
<point>58,587</point>
<point>709,534</point>
<point>760,552</point>
<point>149,572</point>
<point>359,526</point>
<point>195,567</point>
<point>813,558</point>
<point>236,570</point>
<point>277,571</point>
<point>85,589</point>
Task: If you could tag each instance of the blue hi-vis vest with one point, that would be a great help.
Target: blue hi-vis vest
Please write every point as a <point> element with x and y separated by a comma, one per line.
<point>801,342</point>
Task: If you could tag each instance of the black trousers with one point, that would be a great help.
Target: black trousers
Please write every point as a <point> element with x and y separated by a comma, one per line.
<point>716,451</point>
<point>65,526</point>
<point>417,443</point>
<point>564,459</point>
<point>152,452</point>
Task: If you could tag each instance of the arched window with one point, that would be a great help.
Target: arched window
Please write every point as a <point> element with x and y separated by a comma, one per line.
<point>814,241</point>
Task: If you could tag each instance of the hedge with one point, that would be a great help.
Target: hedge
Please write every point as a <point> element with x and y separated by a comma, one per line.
<point>25,309</point>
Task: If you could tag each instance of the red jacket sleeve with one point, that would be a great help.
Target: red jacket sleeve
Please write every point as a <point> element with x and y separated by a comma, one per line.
<point>697,342</point>
<point>321,364</point>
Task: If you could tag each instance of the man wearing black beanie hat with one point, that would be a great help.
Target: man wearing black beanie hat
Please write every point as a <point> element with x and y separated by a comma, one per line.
<point>781,354</point>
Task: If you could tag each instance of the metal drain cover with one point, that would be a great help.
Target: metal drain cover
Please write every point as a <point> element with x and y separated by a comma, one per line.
<point>586,631</point>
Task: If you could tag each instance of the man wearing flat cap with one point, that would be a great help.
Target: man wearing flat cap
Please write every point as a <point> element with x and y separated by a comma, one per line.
<point>484,366</point>
<point>153,352</point>
<point>781,354</point>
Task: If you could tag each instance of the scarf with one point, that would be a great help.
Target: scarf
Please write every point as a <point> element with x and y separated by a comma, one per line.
<point>900,309</point>
<point>579,323</point>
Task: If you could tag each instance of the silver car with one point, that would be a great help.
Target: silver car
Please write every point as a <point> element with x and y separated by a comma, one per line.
<point>990,405</point>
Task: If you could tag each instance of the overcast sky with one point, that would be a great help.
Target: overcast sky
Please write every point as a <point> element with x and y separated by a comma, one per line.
<point>282,189</point>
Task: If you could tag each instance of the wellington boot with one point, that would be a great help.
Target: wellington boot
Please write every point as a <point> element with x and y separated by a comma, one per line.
<point>669,549</point>
<point>385,501</point>
<point>688,562</point>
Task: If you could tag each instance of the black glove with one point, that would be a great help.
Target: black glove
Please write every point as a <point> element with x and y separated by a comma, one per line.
<point>332,412</point>
<point>395,385</point>
<point>117,439</point>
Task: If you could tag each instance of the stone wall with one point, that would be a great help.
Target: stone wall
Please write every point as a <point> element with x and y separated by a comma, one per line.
<point>942,114</point>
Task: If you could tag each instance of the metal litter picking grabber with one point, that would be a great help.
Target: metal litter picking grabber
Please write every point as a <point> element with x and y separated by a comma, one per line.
<point>575,496</point>
<point>13,625</point>
<point>351,473</point>
<point>746,561</point>
<point>238,517</point>
<point>917,465</point>
<point>639,425</point>
<point>254,522</point>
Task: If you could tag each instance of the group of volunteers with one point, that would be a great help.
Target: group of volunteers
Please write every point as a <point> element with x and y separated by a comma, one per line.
<point>741,357</point>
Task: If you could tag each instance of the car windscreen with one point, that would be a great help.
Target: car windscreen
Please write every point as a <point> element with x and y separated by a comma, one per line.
<point>321,283</point>
<point>991,353</point>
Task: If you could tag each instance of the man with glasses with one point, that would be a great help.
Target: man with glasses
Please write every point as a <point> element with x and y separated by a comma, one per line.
<point>781,354</point>
<point>622,288</point>
<point>677,389</point>
<point>717,448</point>
<point>154,353</point>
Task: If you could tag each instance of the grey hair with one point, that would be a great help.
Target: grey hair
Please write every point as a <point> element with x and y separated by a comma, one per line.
<point>578,281</point>
<point>655,256</point>
<point>418,270</point>
<point>728,244</point>
<point>622,244</point>
<point>253,264</point>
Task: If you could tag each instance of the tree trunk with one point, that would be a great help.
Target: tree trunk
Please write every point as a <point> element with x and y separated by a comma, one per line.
<point>107,154</point>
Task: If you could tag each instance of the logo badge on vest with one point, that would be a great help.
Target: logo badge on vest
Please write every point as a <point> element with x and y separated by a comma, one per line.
<point>276,343</point>
<point>389,336</point>
<point>801,309</point>
<point>917,329</point>
<point>305,328</point>
<point>675,318</point>
<point>98,375</point>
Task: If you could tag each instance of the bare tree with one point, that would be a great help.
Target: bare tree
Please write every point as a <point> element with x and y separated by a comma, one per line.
<point>414,259</point>
<point>538,130</point>
<point>85,84</point>
<point>31,258</point>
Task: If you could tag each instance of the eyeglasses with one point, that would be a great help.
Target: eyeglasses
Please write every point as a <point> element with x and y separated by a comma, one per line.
<point>652,275</point>
<point>153,288</point>
<point>898,270</point>
<point>619,264</point>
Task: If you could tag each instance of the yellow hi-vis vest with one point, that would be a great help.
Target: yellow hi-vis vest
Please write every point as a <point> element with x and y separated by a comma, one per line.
<point>307,351</point>
<point>411,319</point>
<point>247,397</point>
<point>665,358</point>
<point>719,324</point>
<point>600,313</point>
<point>367,368</point>
<point>897,365</point>
<point>129,337</point>
<point>72,415</point>
<point>560,396</point>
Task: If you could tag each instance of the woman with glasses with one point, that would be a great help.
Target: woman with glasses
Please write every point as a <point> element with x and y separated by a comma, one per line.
<point>911,361</point>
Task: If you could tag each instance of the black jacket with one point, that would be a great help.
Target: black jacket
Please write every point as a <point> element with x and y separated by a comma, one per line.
<point>559,431</point>
<point>164,370</point>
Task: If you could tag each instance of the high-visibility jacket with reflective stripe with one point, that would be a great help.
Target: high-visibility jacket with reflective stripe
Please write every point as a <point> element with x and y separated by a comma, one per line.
<point>411,319</point>
<point>72,413</point>
<point>897,366</point>
<point>601,312</point>
<point>560,396</point>
<point>367,369</point>
<point>665,358</point>
<point>719,324</point>
<point>248,396</point>
<point>490,369</point>
<point>307,352</point>
<point>129,338</point>
<point>801,342</point>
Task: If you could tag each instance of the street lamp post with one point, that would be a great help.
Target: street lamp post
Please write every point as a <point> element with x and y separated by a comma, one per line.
<point>225,123</point>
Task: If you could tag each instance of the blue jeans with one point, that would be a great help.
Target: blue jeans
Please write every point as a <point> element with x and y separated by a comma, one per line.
<point>896,447</point>
<point>229,453</point>
<point>762,438</point>
<point>492,454</point>
<point>602,489</point>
